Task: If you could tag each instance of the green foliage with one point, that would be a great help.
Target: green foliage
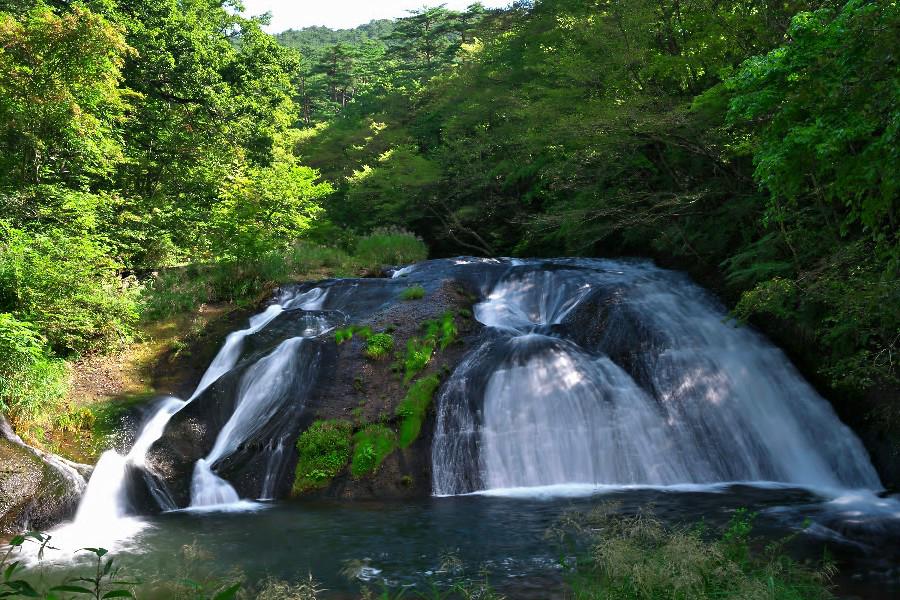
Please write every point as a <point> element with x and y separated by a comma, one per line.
<point>60,99</point>
<point>390,247</point>
<point>413,408</point>
<point>379,345</point>
<point>31,381</point>
<point>67,287</point>
<point>176,290</point>
<point>324,450</point>
<point>417,356</point>
<point>825,118</point>
<point>415,292</point>
<point>371,446</point>
<point>439,333</point>
<point>345,334</point>
<point>389,191</point>
<point>443,330</point>
<point>639,557</point>
<point>266,210</point>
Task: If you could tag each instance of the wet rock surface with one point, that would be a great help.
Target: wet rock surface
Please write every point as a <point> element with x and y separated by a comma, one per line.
<point>37,490</point>
<point>330,381</point>
<point>608,341</point>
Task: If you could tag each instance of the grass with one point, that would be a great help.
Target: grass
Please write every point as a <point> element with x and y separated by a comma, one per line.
<point>182,289</point>
<point>324,449</point>
<point>415,292</point>
<point>413,408</point>
<point>390,247</point>
<point>379,345</point>
<point>639,558</point>
<point>417,356</point>
<point>372,445</point>
<point>442,330</point>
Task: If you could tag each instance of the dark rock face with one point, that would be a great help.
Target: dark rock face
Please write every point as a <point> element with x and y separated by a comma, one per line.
<point>327,381</point>
<point>322,380</point>
<point>37,490</point>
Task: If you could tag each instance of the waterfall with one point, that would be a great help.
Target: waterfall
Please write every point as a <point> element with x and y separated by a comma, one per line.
<point>616,373</point>
<point>102,518</point>
<point>230,352</point>
<point>262,392</point>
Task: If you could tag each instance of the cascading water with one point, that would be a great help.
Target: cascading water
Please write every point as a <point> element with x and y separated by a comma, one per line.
<point>230,352</point>
<point>263,391</point>
<point>103,517</point>
<point>617,373</point>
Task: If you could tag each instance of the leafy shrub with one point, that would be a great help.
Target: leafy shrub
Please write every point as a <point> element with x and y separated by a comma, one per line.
<point>416,292</point>
<point>372,445</point>
<point>390,247</point>
<point>413,408</point>
<point>67,287</point>
<point>324,449</point>
<point>31,381</point>
<point>379,345</point>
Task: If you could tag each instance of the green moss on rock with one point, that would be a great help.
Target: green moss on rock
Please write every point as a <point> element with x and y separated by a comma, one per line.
<point>324,450</point>
<point>372,445</point>
<point>413,408</point>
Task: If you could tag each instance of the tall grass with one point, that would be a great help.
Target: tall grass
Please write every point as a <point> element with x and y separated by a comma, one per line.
<point>182,289</point>
<point>390,246</point>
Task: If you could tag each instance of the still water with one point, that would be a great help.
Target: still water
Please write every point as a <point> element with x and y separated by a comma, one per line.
<point>505,538</point>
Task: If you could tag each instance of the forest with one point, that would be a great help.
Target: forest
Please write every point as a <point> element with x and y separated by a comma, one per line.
<point>755,145</point>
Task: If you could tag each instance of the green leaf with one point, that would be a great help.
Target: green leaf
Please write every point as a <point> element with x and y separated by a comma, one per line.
<point>8,573</point>
<point>118,594</point>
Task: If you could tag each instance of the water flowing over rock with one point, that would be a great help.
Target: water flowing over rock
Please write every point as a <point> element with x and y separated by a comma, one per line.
<point>574,372</point>
<point>621,373</point>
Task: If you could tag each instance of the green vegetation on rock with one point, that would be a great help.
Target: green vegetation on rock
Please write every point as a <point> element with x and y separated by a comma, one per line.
<point>379,345</point>
<point>372,445</point>
<point>439,333</point>
<point>345,334</point>
<point>324,450</point>
<point>413,408</point>
<point>415,292</point>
